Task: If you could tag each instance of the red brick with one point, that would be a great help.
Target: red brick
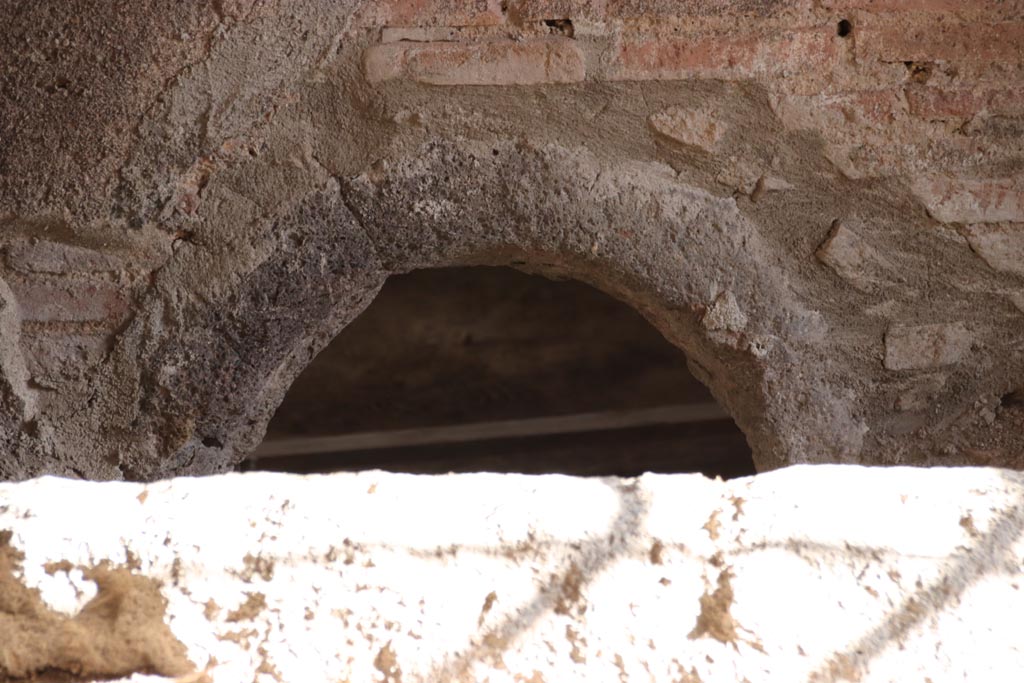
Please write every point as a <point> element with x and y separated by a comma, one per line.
<point>601,10</point>
<point>435,13</point>
<point>872,106</point>
<point>938,38</point>
<point>53,357</point>
<point>636,9</point>
<point>504,62</point>
<point>53,257</point>
<point>70,301</point>
<point>915,5</point>
<point>539,10</point>
<point>964,103</point>
<point>972,201</point>
<point>678,57</point>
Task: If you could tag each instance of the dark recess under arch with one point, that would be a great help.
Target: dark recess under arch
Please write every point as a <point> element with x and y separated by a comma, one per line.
<point>490,369</point>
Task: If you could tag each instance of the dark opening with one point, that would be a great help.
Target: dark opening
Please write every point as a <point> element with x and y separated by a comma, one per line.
<point>844,28</point>
<point>489,369</point>
<point>560,27</point>
<point>1014,399</point>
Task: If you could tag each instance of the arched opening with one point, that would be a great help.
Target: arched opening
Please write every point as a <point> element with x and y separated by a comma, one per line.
<point>490,369</point>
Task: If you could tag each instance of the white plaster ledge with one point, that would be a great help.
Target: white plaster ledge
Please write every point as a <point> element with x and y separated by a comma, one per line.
<point>823,573</point>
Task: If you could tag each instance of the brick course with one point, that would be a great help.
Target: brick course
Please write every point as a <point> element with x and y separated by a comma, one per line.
<point>70,300</point>
<point>53,257</point>
<point>678,57</point>
<point>972,201</point>
<point>941,39</point>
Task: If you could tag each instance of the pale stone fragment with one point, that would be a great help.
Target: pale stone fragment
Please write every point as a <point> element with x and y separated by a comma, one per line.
<point>1001,245</point>
<point>696,127</point>
<point>854,259</point>
<point>725,314</point>
<point>919,347</point>
<point>971,200</point>
<point>1017,298</point>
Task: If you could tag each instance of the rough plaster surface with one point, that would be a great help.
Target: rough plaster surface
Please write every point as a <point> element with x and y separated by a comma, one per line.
<point>806,574</point>
<point>820,201</point>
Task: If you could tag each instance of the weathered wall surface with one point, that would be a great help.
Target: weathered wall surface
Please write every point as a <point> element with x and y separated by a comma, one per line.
<point>820,202</point>
<point>784,577</point>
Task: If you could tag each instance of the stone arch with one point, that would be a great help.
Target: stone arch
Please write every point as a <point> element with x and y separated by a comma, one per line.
<point>776,198</point>
<point>685,259</point>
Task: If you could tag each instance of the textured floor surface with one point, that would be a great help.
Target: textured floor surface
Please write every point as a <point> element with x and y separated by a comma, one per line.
<point>808,574</point>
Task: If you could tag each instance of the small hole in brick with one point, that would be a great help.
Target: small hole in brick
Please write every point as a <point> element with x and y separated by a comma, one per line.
<point>211,442</point>
<point>844,28</point>
<point>562,26</point>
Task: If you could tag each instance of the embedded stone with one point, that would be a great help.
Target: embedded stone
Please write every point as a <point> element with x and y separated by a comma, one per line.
<point>1017,298</point>
<point>1001,245</point>
<point>920,347</point>
<point>853,258</point>
<point>725,314</point>
<point>700,128</point>
<point>951,200</point>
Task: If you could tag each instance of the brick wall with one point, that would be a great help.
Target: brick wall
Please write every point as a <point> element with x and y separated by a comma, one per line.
<point>851,172</point>
<point>860,72</point>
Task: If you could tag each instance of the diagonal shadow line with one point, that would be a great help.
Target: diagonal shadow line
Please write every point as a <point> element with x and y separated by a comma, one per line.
<point>991,554</point>
<point>564,591</point>
<point>803,548</point>
<point>808,550</point>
